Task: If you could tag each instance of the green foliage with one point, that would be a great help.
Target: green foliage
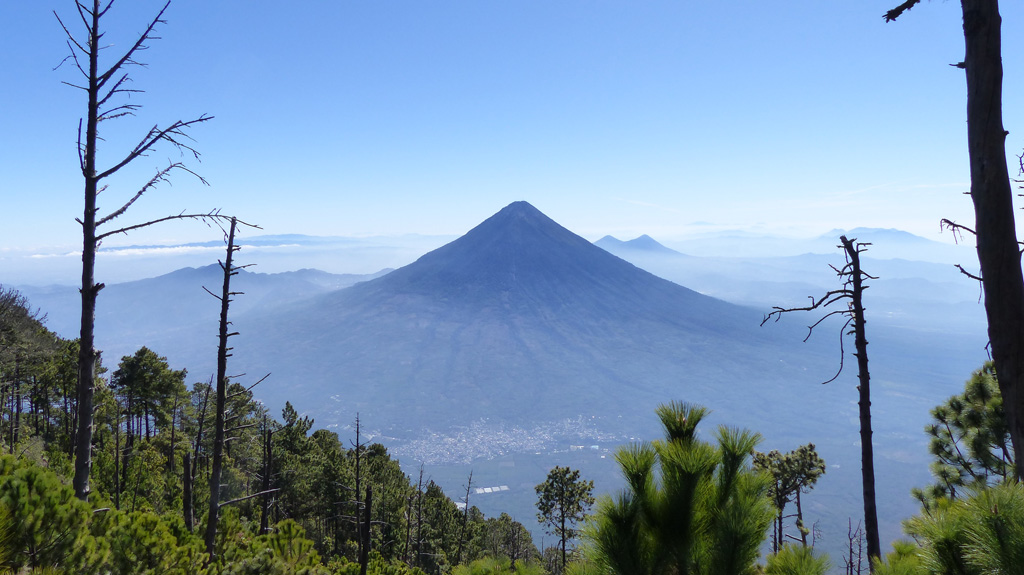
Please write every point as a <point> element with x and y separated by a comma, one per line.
<point>498,566</point>
<point>285,551</point>
<point>979,534</point>
<point>970,440</point>
<point>904,559</point>
<point>147,386</point>
<point>792,473</point>
<point>500,537</point>
<point>796,560</point>
<point>562,502</point>
<point>143,543</point>
<point>378,566</point>
<point>50,525</point>
<point>690,507</point>
<point>145,422</point>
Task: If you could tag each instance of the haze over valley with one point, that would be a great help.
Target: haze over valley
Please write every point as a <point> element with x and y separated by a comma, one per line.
<point>521,345</point>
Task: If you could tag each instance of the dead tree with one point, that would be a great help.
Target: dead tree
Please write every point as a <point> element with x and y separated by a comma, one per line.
<point>364,531</point>
<point>999,253</point>
<point>105,86</point>
<point>268,465</point>
<point>359,477</point>
<point>222,384</point>
<point>850,300</point>
<point>465,520</point>
<point>186,497</point>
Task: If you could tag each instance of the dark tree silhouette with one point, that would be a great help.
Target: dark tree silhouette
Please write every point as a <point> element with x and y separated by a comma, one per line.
<point>995,229</point>
<point>849,298</point>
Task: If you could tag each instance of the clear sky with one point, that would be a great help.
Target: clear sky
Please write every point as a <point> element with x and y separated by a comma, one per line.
<point>354,117</point>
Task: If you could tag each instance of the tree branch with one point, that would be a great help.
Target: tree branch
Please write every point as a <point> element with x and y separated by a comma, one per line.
<point>214,215</point>
<point>169,134</point>
<point>895,12</point>
<point>967,273</point>
<point>127,58</point>
<point>161,176</point>
<point>249,497</point>
<point>825,300</point>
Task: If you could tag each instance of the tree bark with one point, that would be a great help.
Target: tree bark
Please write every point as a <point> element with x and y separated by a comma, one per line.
<point>991,193</point>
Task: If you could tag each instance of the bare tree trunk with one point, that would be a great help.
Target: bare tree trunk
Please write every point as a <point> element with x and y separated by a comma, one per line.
<point>101,87</point>
<point>408,531</point>
<point>16,406</point>
<point>866,450</point>
<point>419,519</point>
<point>174,419</point>
<point>268,466</point>
<point>359,477</point>
<point>998,251</point>
<point>186,496</point>
<point>364,532</point>
<point>117,456</point>
<point>222,382</point>
<point>465,521</point>
<point>800,519</point>
<point>199,432</point>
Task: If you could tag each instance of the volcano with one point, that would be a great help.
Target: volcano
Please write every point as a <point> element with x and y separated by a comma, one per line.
<point>518,320</point>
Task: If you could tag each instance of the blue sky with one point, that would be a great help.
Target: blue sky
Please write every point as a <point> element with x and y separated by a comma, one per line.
<point>661,117</point>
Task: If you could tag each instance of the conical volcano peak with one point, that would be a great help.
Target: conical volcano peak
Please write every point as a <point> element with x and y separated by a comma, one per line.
<point>520,209</point>
<point>519,256</point>
<point>516,217</point>
<point>647,243</point>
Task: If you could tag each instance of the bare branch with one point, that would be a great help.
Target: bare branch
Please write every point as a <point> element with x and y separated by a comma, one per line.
<point>161,176</point>
<point>897,11</point>
<point>71,40</point>
<point>202,217</point>
<point>246,390</point>
<point>842,353</point>
<point>169,134</point>
<point>116,89</point>
<point>967,273</point>
<point>127,58</point>
<point>825,300</point>
<point>810,328</point>
<point>268,491</point>
<point>81,158</point>
<point>957,229</point>
<point>210,292</point>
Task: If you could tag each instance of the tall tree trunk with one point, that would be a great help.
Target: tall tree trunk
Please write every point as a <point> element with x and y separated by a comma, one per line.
<point>364,532</point>
<point>222,383</point>
<point>465,521</point>
<point>800,519</point>
<point>117,456</point>
<point>86,352</point>
<point>186,497</point>
<point>268,466</point>
<point>998,252</point>
<point>16,407</point>
<point>359,478</point>
<point>867,457</point>
<point>199,433</point>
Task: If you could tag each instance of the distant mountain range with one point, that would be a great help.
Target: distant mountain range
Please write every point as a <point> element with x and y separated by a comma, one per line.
<point>521,335</point>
